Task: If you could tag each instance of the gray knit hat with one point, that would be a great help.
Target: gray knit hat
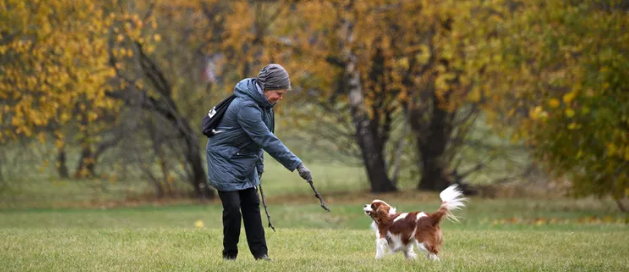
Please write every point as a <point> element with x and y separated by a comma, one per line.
<point>274,77</point>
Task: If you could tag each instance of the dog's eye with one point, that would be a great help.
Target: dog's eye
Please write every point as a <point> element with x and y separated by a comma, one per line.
<point>373,206</point>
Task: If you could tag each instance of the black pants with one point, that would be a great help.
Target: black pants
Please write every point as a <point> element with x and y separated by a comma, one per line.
<point>248,202</point>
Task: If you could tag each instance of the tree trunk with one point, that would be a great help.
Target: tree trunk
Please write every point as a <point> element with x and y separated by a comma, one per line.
<point>62,168</point>
<point>85,168</point>
<point>376,169</point>
<point>431,144</point>
<point>434,176</point>
<point>193,157</point>
<point>371,148</point>
<point>1,163</point>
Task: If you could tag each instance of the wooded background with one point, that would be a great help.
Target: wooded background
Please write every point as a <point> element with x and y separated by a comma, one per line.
<point>420,94</point>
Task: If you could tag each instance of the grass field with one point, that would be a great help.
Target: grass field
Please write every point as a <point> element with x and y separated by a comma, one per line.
<point>494,235</point>
<point>177,249</point>
<point>67,225</point>
<point>36,190</point>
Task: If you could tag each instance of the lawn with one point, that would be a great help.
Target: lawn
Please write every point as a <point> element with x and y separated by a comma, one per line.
<point>182,249</point>
<point>39,190</point>
<point>67,225</point>
<point>494,235</point>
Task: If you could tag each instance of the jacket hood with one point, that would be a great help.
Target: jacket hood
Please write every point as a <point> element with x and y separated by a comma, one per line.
<point>247,89</point>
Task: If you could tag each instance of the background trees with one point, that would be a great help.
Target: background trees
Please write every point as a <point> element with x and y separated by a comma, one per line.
<point>405,88</point>
<point>562,81</point>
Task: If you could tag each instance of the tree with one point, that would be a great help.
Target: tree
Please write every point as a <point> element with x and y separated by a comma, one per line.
<point>562,80</point>
<point>226,34</point>
<point>157,76</point>
<point>141,83</point>
<point>441,110</point>
<point>54,71</point>
<point>350,69</point>
<point>379,59</point>
<point>50,63</point>
<point>67,64</point>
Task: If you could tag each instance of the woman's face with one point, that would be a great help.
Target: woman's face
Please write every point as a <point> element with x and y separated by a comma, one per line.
<point>274,95</point>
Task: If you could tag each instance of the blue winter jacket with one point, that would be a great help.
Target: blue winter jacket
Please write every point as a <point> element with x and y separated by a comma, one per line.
<point>235,155</point>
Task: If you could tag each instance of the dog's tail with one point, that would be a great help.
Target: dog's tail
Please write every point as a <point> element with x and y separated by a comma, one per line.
<point>453,199</point>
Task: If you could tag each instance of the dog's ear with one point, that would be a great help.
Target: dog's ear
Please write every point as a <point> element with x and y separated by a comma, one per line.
<point>382,212</point>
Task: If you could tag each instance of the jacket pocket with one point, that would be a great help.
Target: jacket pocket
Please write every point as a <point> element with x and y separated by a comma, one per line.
<point>244,164</point>
<point>244,155</point>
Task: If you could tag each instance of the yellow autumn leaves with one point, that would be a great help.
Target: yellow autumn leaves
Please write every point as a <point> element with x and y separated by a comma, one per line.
<point>56,60</point>
<point>541,113</point>
<point>574,85</point>
<point>51,54</point>
<point>616,150</point>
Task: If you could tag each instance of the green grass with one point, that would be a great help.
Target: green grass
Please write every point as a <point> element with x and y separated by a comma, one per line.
<point>177,249</point>
<point>48,192</point>
<point>67,225</point>
<point>587,236</point>
<point>303,211</point>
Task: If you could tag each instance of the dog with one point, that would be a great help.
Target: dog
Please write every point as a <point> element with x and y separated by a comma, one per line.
<point>400,231</point>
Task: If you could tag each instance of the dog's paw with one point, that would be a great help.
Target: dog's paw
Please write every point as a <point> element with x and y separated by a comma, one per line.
<point>433,257</point>
<point>411,255</point>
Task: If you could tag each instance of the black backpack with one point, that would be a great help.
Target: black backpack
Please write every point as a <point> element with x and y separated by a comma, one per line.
<point>214,116</point>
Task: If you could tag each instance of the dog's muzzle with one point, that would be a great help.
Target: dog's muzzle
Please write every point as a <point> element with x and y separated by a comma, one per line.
<point>367,209</point>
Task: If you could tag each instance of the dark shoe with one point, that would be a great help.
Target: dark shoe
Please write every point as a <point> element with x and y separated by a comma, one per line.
<point>229,258</point>
<point>263,258</point>
<point>230,255</point>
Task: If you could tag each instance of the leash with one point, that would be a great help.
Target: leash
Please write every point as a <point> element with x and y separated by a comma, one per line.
<point>317,195</point>
<point>265,209</point>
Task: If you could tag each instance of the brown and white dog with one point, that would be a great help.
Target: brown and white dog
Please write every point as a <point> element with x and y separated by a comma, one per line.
<point>400,231</point>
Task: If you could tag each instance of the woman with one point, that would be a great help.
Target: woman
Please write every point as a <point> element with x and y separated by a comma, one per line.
<point>235,157</point>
